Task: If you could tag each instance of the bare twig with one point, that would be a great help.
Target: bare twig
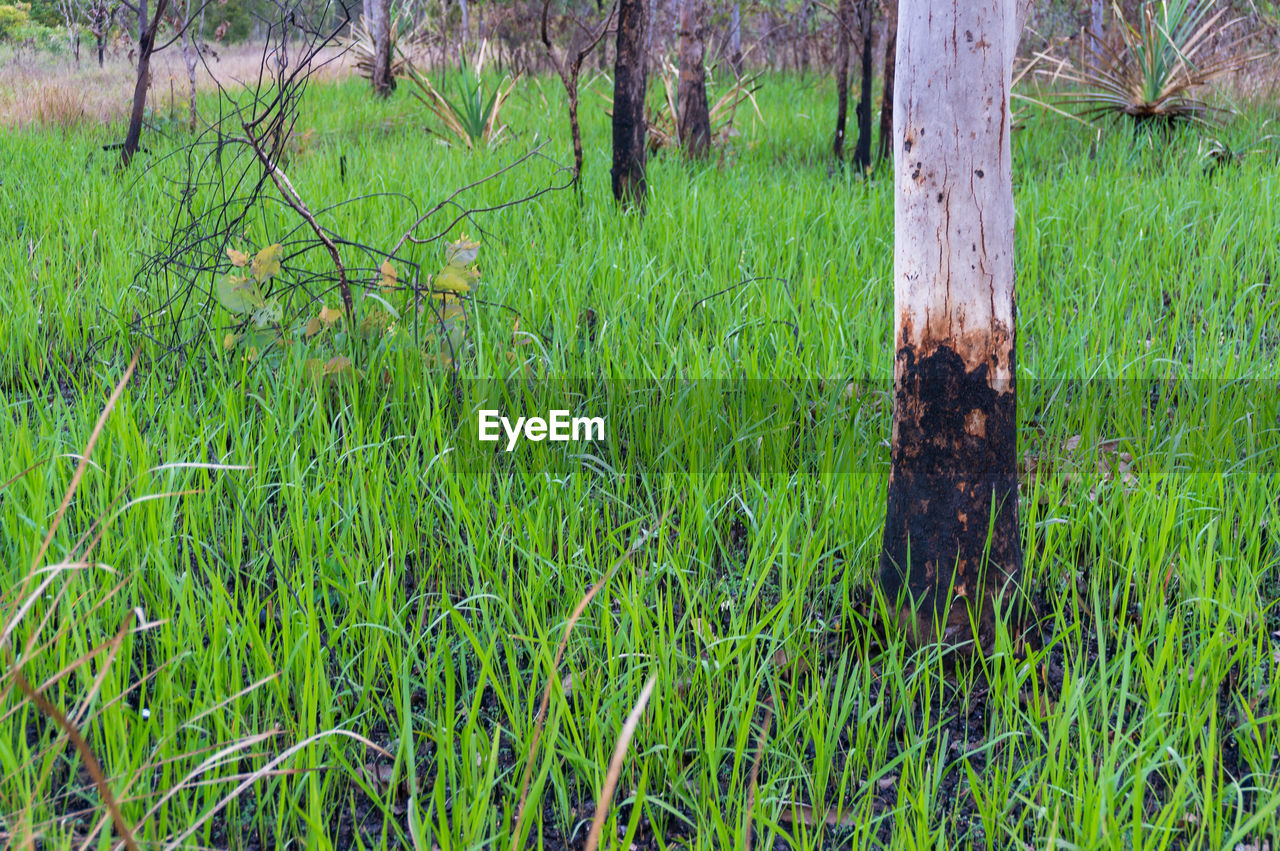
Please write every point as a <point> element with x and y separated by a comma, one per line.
<point>294,200</point>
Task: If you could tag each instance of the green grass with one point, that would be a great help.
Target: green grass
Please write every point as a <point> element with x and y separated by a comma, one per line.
<point>418,603</point>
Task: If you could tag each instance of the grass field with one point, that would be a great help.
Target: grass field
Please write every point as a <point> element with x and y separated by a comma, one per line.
<point>418,604</point>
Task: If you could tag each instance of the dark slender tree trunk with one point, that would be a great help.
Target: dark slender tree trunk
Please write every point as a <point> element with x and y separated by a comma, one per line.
<point>886,102</point>
<point>862,154</point>
<point>146,44</point>
<point>952,550</point>
<point>844,23</point>
<point>694,119</point>
<point>384,82</point>
<point>735,38</point>
<point>629,125</point>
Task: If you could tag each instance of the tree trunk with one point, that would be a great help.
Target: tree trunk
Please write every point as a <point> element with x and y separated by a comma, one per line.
<point>190,55</point>
<point>862,154</point>
<point>694,119</point>
<point>735,38</point>
<point>464,29</point>
<point>383,81</point>
<point>629,126</point>
<point>806,18</point>
<point>886,102</point>
<point>844,22</point>
<point>951,526</point>
<point>146,44</point>
<point>102,43</point>
<point>1095,33</point>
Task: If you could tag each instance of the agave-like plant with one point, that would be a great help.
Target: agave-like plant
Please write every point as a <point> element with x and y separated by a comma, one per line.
<point>473,115</point>
<point>1151,75</point>
<point>361,45</point>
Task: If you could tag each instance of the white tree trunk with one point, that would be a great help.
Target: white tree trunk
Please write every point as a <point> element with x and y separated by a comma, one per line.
<point>951,528</point>
<point>953,250</point>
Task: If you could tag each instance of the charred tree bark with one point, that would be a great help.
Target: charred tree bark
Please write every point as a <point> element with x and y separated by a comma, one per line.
<point>886,101</point>
<point>862,154</point>
<point>951,546</point>
<point>844,24</point>
<point>146,45</point>
<point>384,82</point>
<point>629,125</point>
<point>693,116</point>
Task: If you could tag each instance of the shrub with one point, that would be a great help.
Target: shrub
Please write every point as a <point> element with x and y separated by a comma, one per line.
<point>13,18</point>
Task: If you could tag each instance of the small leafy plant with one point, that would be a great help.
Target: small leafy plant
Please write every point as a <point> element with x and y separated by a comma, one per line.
<point>328,340</point>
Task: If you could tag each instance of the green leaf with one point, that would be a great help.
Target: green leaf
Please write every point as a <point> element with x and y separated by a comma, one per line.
<point>266,263</point>
<point>238,295</point>
<point>454,279</point>
<point>461,253</point>
<point>268,314</point>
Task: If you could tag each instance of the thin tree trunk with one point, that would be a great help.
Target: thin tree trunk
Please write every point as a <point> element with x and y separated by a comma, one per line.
<point>384,83</point>
<point>629,126</point>
<point>806,16</point>
<point>190,56</point>
<point>464,29</point>
<point>146,44</point>
<point>1095,33</point>
<point>951,531</point>
<point>844,21</point>
<point>886,102</point>
<point>735,38</point>
<point>694,119</point>
<point>862,154</point>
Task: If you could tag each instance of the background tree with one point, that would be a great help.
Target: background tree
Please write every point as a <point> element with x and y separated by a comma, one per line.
<point>99,18</point>
<point>862,154</point>
<point>844,24</point>
<point>384,82</point>
<point>735,38</point>
<point>69,10</point>
<point>951,536</point>
<point>147,29</point>
<point>693,118</point>
<point>886,101</point>
<point>629,127</point>
<point>189,22</point>
<point>1095,33</point>
<point>568,65</point>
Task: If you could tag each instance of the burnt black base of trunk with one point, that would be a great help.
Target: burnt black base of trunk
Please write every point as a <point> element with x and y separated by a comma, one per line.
<point>952,545</point>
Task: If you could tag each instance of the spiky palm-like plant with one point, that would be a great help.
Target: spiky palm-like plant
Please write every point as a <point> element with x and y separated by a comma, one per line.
<point>472,114</point>
<point>1152,74</point>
